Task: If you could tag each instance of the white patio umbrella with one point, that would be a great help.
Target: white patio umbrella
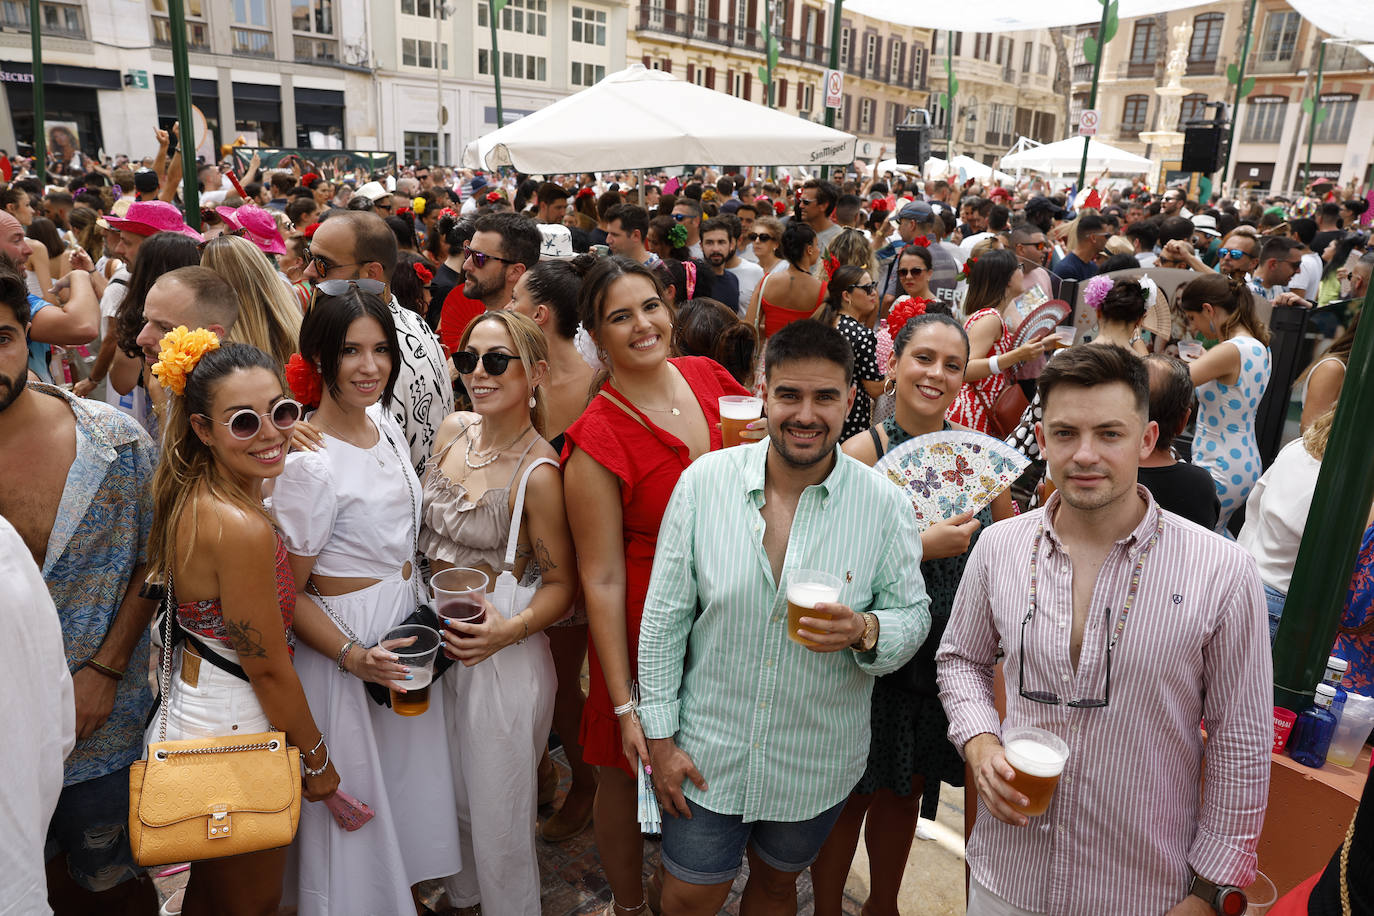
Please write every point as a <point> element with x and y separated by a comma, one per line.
<point>972,168</point>
<point>1066,155</point>
<point>639,118</point>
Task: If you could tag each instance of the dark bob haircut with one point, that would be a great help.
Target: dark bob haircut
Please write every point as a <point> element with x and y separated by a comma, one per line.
<point>325,329</point>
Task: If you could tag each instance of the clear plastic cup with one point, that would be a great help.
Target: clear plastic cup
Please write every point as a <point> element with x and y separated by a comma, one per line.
<point>736,412</point>
<point>1261,894</point>
<point>1066,333</point>
<point>806,589</point>
<point>1189,350</point>
<point>458,593</point>
<point>411,698</point>
<point>1038,757</point>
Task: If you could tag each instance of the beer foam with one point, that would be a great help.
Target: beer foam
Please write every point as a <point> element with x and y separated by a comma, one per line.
<point>743,409</point>
<point>422,678</point>
<point>1033,758</point>
<point>810,594</point>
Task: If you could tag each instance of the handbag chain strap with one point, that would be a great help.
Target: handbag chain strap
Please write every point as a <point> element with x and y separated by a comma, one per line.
<point>165,686</point>
<point>414,548</point>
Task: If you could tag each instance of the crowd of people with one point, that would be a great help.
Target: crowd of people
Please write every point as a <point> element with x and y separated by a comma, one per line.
<point>281,426</point>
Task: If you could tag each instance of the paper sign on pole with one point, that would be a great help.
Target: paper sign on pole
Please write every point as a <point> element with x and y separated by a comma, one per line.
<point>834,88</point>
<point>1087,123</point>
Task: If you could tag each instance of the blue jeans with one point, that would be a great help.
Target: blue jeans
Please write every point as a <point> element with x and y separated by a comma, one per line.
<point>708,847</point>
<point>91,825</point>
<point>1274,599</point>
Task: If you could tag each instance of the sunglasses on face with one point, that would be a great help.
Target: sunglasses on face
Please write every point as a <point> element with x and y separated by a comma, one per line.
<point>866,287</point>
<point>341,287</point>
<point>386,207</point>
<point>495,363</point>
<point>1234,254</point>
<point>322,264</point>
<point>759,237</point>
<point>679,217</point>
<point>480,259</point>
<point>245,424</point>
<point>910,271</point>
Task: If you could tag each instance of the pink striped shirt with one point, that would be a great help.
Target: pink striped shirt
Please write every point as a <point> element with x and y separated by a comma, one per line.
<point>1127,820</point>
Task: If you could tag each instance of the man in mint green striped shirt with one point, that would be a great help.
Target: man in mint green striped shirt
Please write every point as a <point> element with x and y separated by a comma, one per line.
<point>755,739</point>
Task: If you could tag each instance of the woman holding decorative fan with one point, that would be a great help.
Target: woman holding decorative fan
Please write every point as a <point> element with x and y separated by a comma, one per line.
<point>994,282</point>
<point>910,755</point>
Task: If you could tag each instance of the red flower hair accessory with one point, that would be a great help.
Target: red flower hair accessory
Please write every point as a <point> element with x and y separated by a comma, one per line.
<point>585,192</point>
<point>880,205</point>
<point>307,178</point>
<point>920,241</point>
<point>493,196</point>
<point>832,264</point>
<point>448,212</point>
<point>405,212</point>
<point>309,231</point>
<point>304,380</point>
<point>424,273</point>
<point>780,208</point>
<point>966,269</point>
<point>904,310</point>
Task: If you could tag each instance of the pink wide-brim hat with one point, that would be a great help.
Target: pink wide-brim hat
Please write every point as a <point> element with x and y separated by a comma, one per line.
<point>153,216</point>
<point>256,224</point>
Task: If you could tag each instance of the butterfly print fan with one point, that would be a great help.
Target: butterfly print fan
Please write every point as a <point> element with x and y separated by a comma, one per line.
<point>952,472</point>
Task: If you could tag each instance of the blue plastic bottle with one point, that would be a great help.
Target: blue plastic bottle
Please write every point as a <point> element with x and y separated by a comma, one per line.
<point>1314,729</point>
<point>1335,672</point>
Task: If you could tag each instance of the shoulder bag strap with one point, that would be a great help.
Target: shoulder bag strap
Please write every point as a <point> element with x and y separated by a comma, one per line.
<point>877,441</point>
<point>165,675</point>
<point>758,313</point>
<point>519,512</point>
<point>621,404</point>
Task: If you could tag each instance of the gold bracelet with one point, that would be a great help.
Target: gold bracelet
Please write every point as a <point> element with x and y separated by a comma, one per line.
<point>526,624</point>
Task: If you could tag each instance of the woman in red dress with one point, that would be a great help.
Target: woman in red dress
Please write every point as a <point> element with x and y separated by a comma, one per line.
<point>650,418</point>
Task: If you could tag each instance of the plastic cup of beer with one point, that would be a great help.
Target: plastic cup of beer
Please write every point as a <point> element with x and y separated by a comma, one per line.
<point>806,589</point>
<point>1066,333</point>
<point>736,412</point>
<point>412,698</point>
<point>458,593</point>
<point>1189,350</point>
<point>1038,757</point>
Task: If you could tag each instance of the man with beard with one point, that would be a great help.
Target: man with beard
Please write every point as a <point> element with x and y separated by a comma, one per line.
<point>357,245</point>
<point>1139,625</point>
<point>717,248</point>
<point>76,484</point>
<point>503,247</point>
<point>756,737</point>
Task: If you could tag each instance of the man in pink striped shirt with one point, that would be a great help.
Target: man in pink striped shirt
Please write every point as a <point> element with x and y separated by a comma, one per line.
<point>1124,626</point>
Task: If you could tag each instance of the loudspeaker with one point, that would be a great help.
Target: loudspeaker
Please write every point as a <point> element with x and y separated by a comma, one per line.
<point>913,144</point>
<point>1201,149</point>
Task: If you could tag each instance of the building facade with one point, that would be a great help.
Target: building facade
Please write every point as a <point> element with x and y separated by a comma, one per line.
<point>1005,89</point>
<point>274,74</point>
<point>1271,136</point>
<point>720,44</point>
<point>431,53</point>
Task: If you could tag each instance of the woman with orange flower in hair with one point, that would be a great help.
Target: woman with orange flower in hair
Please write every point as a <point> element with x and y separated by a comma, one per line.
<point>910,755</point>
<point>231,591</point>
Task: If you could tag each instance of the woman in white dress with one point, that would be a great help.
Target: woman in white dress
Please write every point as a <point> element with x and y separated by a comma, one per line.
<point>490,467</point>
<point>349,514</point>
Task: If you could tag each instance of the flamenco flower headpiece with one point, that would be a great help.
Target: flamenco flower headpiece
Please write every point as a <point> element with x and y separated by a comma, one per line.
<point>424,273</point>
<point>1096,290</point>
<point>493,196</point>
<point>585,192</point>
<point>677,236</point>
<point>417,206</point>
<point>905,309</point>
<point>832,264</point>
<point>304,380</point>
<point>966,270</point>
<point>179,352</point>
<point>920,241</point>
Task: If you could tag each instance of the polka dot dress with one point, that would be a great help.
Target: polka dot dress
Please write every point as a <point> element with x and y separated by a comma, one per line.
<point>1225,443</point>
<point>865,346</point>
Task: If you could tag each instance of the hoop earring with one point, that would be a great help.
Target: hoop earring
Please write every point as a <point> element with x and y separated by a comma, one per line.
<point>890,386</point>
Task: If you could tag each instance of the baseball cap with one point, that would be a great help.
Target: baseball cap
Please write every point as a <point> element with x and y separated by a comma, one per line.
<point>145,180</point>
<point>1044,203</point>
<point>917,210</point>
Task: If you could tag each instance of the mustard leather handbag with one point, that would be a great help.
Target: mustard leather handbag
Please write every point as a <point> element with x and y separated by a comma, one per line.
<point>209,798</point>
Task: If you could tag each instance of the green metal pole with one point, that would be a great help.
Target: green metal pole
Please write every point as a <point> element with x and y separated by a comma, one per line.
<point>835,27</point>
<point>1330,542</point>
<point>1092,95</point>
<point>768,40</point>
<point>1240,81</point>
<point>949,101</point>
<point>40,136</point>
<point>190,189</point>
<point>1312,117</point>
<point>494,7</point>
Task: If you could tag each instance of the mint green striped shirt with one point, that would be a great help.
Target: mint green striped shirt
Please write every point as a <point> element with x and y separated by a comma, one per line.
<point>779,732</point>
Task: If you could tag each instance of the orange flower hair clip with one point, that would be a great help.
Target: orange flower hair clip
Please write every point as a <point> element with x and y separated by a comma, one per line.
<point>178,353</point>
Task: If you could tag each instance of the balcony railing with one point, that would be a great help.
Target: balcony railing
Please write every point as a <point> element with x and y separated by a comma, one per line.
<point>1138,69</point>
<point>60,20</point>
<point>1274,62</point>
<point>996,138</point>
<point>1201,67</point>
<point>1129,131</point>
<point>1082,73</point>
<point>250,43</point>
<point>316,50</point>
<point>685,25</point>
<point>197,34</point>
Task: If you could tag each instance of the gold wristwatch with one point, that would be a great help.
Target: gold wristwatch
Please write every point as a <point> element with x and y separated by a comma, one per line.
<point>869,638</point>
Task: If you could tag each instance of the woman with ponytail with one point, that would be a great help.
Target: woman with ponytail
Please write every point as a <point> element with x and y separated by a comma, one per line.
<point>706,327</point>
<point>225,567</point>
<point>1230,380</point>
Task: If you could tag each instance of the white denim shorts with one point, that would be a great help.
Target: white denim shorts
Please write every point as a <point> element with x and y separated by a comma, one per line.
<point>207,702</point>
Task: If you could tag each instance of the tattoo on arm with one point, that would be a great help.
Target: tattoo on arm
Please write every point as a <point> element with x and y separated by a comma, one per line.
<point>543,557</point>
<point>523,550</point>
<point>246,639</point>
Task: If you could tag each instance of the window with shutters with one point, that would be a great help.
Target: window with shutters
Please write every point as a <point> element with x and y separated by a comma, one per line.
<point>742,23</point>
<point>866,115</point>
<point>710,82</point>
<point>918,66</point>
<point>870,54</point>
<point>1133,114</point>
<point>700,17</point>
<point>655,14</point>
<point>846,37</point>
<point>1044,66</point>
<point>894,62</point>
<point>1027,56</point>
<point>1193,107</point>
<point>1340,115</point>
<point>808,102</point>
<point>1202,51</point>
<point>780,94</point>
<point>1264,118</point>
<point>1280,37</point>
<point>737,84</point>
<point>845,104</point>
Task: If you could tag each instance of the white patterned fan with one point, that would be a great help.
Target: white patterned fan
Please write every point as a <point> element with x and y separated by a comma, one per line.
<point>951,472</point>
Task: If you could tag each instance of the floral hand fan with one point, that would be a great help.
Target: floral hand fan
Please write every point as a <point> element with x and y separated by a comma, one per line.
<point>1046,317</point>
<point>952,472</point>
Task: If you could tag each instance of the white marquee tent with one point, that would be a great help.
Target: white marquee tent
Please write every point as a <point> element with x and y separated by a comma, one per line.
<point>639,118</point>
<point>1065,156</point>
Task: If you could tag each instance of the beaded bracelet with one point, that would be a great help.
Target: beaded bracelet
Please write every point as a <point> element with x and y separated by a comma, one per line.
<point>324,766</point>
<point>625,709</point>
<point>317,745</point>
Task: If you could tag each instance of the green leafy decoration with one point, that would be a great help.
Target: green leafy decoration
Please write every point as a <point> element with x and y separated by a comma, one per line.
<point>763,75</point>
<point>1306,106</point>
<point>1246,86</point>
<point>1112,23</point>
<point>1090,49</point>
<point>773,48</point>
<point>498,5</point>
<point>1232,74</point>
<point>1321,115</point>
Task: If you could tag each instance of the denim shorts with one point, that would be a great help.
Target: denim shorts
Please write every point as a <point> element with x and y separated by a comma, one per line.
<point>91,825</point>
<point>708,847</point>
<point>1274,600</point>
